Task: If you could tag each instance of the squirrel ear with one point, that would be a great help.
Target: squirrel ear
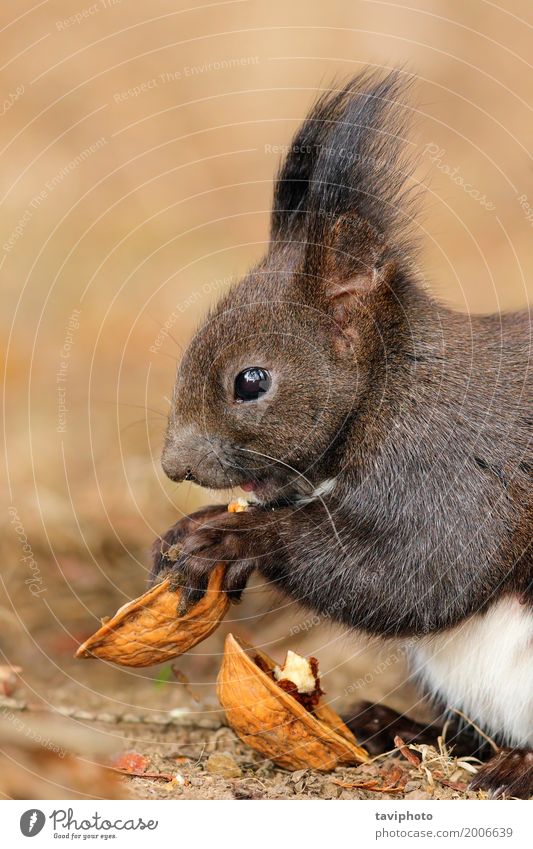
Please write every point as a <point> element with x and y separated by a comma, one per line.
<point>356,262</point>
<point>361,283</point>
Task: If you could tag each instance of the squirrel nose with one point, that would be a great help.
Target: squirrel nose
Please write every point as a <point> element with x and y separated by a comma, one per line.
<point>174,469</point>
<point>181,454</point>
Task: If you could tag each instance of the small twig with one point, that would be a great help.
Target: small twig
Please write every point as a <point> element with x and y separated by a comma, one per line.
<point>401,745</point>
<point>200,756</point>
<point>372,786</point>
<point>395,776</point>
<point>478,729</point>
<point>383,755</point>
<point>254,778</point>
<point>443,749</point>
<point>164,776</point>
<point>455,785</point>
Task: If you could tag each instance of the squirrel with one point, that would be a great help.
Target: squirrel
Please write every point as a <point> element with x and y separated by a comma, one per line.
<point>386,437</point>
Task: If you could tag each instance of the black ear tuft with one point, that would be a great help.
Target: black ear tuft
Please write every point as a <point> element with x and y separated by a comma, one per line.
<point>291,188</point>
<point>347,161</point>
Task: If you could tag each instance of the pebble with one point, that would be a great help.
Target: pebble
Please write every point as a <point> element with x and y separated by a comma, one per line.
<point>179,712</point>
<point>160,719</point>
<point>83,715</point>
<point>417,794</point>
<point>130,718</point>
<point>345,795</point>
<point>107,717</point>
<point>64,710</point>
<point>221,763</point>
<point>331,791</point>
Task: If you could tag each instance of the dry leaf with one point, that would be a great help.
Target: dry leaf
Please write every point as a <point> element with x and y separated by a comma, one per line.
<point>395,779</point>
<point>130,762</point>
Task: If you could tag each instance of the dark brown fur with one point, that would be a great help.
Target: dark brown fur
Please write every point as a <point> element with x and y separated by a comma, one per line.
<point>421,415</point>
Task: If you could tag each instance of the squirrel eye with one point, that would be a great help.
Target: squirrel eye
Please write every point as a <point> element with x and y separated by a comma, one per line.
<point>251,383</point>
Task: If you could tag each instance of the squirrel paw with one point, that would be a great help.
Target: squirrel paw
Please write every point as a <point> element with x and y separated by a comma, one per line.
<point>376,726</point>
<point>509,773</point>
<point>167,548</point>
<point>189,554</point>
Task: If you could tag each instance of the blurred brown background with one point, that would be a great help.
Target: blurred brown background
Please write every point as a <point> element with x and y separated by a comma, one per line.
<point>138,144</point>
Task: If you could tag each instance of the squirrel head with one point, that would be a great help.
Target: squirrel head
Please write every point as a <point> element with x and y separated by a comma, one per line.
<point>272,379</point>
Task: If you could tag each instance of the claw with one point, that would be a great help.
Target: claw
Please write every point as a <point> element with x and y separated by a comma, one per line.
<point>190,550</point>
<point>508,773</point>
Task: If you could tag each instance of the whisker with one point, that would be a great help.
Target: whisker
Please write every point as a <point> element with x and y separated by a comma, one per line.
<point>304,478</point>
<point>139,421</point>
<point>167,333</point>
<point>139,407</point>
<point>169,356</point>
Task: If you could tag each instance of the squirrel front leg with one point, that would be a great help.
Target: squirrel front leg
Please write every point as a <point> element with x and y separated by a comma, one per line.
<point>377,578</point>
<point>336,563</point>
<point>294,547</point>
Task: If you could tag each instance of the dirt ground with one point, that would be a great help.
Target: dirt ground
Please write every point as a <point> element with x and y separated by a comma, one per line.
<point>194,757</point>
<point>65,722</point>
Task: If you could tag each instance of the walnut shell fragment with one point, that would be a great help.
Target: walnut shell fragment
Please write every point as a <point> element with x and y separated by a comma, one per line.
<point>148,630</point>
<point>273,722</point>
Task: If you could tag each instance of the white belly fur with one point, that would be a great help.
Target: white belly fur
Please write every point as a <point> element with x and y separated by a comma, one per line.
<point>484,667</point>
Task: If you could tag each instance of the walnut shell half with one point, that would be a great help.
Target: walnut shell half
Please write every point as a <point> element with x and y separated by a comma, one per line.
<point>148,630</point>
<point>273,722</point>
